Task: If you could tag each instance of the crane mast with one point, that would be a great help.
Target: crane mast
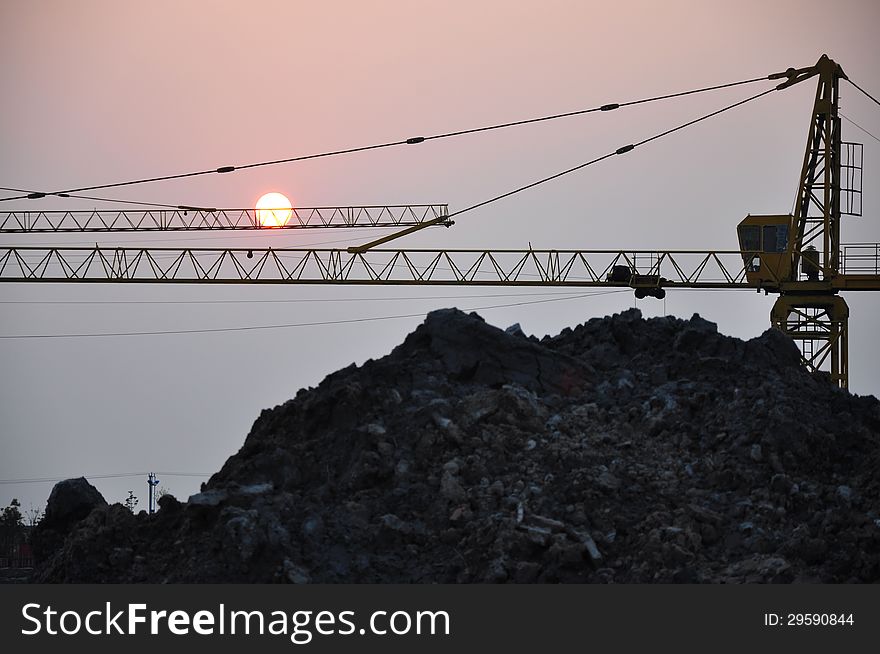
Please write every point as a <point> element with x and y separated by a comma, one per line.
<point>809,309</point>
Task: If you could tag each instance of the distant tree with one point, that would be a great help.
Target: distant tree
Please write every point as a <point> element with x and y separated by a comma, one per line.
<point>11,528</point>
<point>33,516</point>
<point>131,501</point>
<point>12,514</point>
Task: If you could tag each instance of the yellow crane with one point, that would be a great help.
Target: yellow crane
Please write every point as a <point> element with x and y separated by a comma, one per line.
<point>799,257</point>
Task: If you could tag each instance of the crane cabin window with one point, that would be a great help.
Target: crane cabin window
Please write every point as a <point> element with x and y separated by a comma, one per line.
<point>775,238</point>
<point>750,245</point>
<point>757,240</point>
<point>763,238</point>
<point>750,238</point>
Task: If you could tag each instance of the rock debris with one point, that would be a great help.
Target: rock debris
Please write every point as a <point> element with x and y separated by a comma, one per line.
<point>624,450</point>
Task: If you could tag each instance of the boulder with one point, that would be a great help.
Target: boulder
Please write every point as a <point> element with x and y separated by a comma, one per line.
<point>70,501</point>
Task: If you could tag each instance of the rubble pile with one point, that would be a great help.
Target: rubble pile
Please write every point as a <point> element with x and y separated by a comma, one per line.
<point>623,450</point>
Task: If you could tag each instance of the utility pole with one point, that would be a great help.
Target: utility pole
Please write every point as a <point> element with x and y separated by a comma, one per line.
<point>152,482</point>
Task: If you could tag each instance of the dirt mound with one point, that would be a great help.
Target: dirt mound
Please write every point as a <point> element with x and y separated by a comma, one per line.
<point>624,450</point>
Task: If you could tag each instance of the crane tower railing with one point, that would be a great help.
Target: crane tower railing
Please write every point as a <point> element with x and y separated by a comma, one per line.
<point>860,259</point>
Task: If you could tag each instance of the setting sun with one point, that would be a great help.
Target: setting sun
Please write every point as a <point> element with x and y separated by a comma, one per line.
<point>273,210</point>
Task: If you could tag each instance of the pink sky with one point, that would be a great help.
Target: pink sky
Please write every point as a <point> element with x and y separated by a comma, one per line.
<point>103,91</point>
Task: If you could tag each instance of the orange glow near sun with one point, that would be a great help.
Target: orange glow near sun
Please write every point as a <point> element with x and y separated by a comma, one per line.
<point>273,210</point>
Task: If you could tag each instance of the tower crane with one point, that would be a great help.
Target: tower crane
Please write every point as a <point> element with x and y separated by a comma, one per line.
<point>797,256</point>
<point>802,258</point>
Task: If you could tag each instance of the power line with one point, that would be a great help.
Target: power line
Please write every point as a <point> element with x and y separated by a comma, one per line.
<point>302,324</point>
<point>876,101</point>
<point>606,107</point>
<point>117,475</point>
<point>408,141</point>
<point>850,120</point>
<point>183,474</point>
